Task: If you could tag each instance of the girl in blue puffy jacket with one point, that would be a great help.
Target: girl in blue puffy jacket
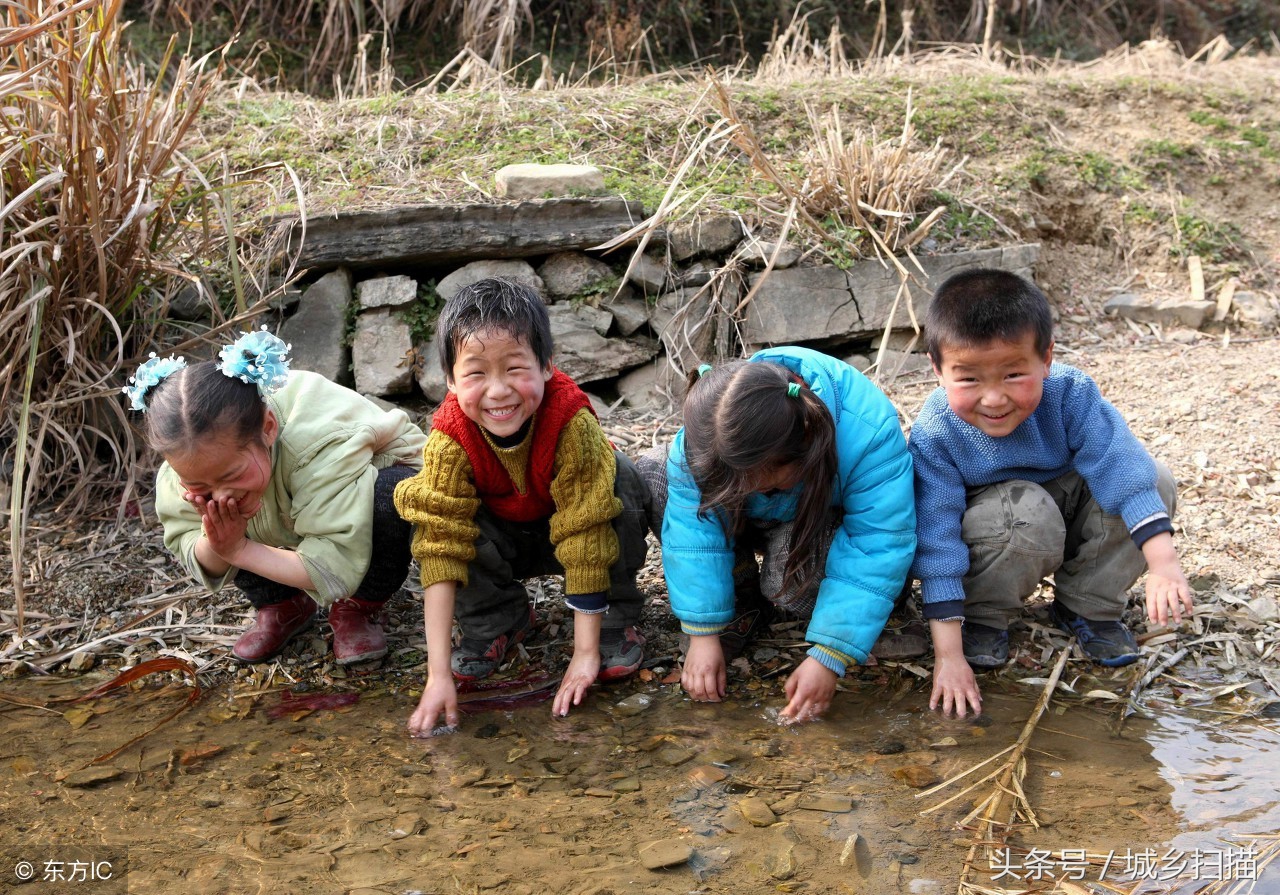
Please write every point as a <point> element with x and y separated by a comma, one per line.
<point>797,455</point>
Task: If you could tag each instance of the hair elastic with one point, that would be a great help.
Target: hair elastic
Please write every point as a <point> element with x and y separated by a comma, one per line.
<point>703,370</point>
<point>148,375</point>
<point>257,358</point>
<point>793,389</point>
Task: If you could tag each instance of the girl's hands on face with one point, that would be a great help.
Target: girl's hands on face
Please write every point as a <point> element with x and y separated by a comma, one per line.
<point>224,526</point>
<point>810,690</point>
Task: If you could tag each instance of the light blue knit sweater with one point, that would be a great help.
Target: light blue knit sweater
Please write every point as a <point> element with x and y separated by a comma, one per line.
<point>1073,428</point>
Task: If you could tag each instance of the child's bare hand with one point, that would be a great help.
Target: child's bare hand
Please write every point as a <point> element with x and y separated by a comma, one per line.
<point>224,527</point>
<point>1167,595</point>
<point>581,674</point>
<point>809,691</point>
<point>439,697</point>
<point>703,676</point>
<point>954,687</point>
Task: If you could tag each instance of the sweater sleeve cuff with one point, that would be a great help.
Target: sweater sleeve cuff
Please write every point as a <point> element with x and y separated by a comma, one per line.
<point>436,569</point>
<point>830,659</point>
<point>1149,528</point>
<point>693,629</point>
<point>944,610</point>
<point>588,604</point>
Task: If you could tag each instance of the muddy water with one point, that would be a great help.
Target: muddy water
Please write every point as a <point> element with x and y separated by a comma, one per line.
<point>226,799</point>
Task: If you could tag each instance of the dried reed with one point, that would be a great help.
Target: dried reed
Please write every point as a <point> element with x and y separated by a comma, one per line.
<point>95,206</point>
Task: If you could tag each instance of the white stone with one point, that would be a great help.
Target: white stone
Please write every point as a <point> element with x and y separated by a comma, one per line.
<point>529,181</point>
<point>380,353</point>
<point>386,292</point>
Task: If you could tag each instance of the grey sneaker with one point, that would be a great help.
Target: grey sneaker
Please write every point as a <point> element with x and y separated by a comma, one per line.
<point>985,646</point>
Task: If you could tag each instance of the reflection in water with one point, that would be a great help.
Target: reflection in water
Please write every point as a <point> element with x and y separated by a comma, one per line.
<point>1225,778</point>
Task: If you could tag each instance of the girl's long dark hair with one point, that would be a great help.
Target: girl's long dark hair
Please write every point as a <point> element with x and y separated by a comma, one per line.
<point>740,421</point>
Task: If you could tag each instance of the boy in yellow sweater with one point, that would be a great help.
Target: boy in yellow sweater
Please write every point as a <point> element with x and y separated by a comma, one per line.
<point>519,480</point>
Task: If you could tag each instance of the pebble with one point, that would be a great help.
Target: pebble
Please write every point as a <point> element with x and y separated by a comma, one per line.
<point>891,749</point>
<point>81,661</point>
<point>626,784</point>
<point>406,825</point>
<point>708,774</point>
<point>823,802</point>
<point>275,812</point>
<point>857,848</point>
<point>665,853</point>
<point>209,802</point>
<point>916,775</point>
<point>632,705</point>
<point>781,865</point>
<point>1127,802</point>
<point>757,813</point>
<point>91,776</point>
<point>676,755</point>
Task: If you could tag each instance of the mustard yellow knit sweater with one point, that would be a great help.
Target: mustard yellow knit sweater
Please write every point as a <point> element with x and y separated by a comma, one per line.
<point>441,502</point>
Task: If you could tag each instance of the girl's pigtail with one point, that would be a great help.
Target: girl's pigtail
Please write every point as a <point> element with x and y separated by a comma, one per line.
<point>818,470</point>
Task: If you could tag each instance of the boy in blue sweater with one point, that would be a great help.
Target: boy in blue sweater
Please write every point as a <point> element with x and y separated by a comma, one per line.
<point>1023,470</point>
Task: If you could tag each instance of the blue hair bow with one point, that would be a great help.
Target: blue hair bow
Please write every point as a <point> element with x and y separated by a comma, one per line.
<point>150,374</point>
<point>258,358</point>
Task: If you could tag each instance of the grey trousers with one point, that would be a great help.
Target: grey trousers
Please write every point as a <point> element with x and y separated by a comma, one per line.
<point>494,600</point>
<point>1019,532</point>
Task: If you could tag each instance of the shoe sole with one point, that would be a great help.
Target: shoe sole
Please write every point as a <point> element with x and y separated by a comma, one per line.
<point>518,637</point>
<point>362,657</point>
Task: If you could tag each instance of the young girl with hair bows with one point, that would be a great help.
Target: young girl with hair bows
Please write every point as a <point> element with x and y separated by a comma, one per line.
<point>798,455</point>
<point>281,483</point>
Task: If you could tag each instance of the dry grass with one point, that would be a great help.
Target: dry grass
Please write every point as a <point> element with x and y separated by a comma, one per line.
<point>96,208</point>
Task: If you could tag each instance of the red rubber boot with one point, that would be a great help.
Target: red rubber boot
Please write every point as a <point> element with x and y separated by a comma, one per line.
<point>273,627</point>
<point>357,632</point>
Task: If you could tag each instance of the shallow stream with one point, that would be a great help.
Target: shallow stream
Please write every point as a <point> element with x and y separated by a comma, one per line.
<point>224,798</point>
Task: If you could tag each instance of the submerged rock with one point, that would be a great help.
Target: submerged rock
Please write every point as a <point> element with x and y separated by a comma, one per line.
<point>665,853</point>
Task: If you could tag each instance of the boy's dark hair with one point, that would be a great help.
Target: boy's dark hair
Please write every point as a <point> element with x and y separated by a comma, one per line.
<point>200,402</point>
<point>739,420</point>
<point>494,305</point>
<point>978,306</point>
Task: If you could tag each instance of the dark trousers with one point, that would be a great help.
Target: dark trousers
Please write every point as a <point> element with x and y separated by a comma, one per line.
<point>388,563</point>
<point>494,600</point>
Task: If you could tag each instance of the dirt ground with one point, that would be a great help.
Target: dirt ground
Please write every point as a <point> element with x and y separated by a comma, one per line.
<point>228,798</point>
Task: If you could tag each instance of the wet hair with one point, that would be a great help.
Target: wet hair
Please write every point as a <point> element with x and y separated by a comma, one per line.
<point>494,305</point>
<point>201,402</point>
<point>979,306</point>
<point>740,420</point>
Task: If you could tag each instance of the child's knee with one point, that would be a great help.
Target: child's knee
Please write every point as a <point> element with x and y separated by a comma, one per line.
<point>1015,514</point>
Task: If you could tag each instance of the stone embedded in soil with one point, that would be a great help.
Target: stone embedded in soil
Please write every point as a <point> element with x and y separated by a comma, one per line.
<point>91,776</point>
<point>757,812</point>
<point>626,784</point>
<point>857,849</point>
<point>825,802</point>
<point>781,865</point>
<point>665,853</point>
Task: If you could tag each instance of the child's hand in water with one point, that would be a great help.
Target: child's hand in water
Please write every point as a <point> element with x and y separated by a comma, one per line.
<point>954,687</point>
<point>578,678</point>
<point>809,691</point>
<point>703,676</point>
<point>439,698</point>
<point>224,526</point>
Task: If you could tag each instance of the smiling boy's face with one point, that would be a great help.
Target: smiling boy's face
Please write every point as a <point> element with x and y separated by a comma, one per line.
<point>498,382</point>
<point>996,385</point>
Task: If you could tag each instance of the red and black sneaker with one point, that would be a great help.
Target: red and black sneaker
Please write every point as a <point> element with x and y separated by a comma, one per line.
<point>474,660</point>
<point>621,651</point>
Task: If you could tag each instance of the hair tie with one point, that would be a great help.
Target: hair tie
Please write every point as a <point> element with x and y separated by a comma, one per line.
<point>148,375</point>
<point>703,370</point>
<point>793,389</point>
<point>258,358</point>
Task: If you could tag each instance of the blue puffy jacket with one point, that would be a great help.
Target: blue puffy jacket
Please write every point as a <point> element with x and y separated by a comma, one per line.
<point>872,549</point>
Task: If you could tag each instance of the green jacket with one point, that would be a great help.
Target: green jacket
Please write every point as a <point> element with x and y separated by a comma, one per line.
<point>319,501</point>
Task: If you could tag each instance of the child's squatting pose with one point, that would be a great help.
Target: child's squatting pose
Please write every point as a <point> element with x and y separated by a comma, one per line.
<point>519,480</point>
<point>1023,470</point>
<point>798,454</point>
<point>280,482</point>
